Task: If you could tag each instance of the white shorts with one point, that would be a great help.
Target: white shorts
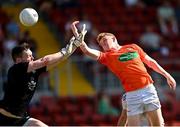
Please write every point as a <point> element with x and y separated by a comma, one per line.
<point>142,100</point>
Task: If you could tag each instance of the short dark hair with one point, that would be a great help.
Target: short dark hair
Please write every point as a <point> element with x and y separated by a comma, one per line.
<point>18,50</point>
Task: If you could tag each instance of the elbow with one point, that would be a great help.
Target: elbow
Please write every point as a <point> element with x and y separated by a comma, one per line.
<point>46,60</point>
<point>152,63</point>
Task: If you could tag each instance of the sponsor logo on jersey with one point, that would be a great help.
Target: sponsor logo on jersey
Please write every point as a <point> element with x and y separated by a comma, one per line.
<point>128,56</point>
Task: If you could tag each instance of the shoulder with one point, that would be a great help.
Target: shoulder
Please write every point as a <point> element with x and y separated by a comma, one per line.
<point>133,45</point>
<point>20,67</point>
<point>23,64</point>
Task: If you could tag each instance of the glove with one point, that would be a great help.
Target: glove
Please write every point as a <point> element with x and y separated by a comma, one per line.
<point>78,41</point>
<point>74,43</point>
<point>69,47</point>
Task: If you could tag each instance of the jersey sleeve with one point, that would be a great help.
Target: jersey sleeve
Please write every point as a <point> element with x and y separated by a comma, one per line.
<point>140,51</point>
<point>102,58</point>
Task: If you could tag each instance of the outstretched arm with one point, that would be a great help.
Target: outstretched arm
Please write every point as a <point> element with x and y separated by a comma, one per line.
<point>156,67</point>
<point>86,50</point>
<point>53,59</point>
<point>93,53</point>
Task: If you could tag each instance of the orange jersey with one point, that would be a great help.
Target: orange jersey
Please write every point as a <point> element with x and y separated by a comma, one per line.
<point>127,65</point>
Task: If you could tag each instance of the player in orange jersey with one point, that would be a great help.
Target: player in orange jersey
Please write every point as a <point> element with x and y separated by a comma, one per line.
<point>127,63</point>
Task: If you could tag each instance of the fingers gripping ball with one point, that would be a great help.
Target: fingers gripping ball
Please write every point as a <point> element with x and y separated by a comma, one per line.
<point>28,17</point>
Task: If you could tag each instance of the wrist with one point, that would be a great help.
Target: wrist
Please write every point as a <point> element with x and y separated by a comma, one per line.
<point>77,43</point>
<point>63,51</point>
<point>82,46</point>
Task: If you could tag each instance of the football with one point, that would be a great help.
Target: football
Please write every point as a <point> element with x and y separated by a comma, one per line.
<point>28,17</point>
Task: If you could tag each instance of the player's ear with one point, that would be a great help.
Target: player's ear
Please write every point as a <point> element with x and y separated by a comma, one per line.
<point>18,60</point>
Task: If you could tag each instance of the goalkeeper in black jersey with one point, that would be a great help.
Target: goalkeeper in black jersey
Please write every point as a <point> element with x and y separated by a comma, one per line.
<point>22,82</point>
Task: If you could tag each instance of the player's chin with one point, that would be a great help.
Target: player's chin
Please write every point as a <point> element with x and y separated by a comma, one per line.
<point>106,49</point>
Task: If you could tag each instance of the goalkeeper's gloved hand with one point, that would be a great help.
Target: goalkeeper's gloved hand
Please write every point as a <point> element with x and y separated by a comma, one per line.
<point>74,43</point>
<point>68,50</point>
<point>78,41</point>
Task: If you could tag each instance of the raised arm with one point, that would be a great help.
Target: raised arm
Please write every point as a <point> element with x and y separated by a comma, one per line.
<point>156,67</point>
<point>86,50</point>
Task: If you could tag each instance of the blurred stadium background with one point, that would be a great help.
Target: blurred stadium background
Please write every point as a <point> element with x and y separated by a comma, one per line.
<point>69,93</point>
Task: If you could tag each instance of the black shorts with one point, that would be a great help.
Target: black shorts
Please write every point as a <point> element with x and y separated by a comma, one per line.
<point>8,121</point>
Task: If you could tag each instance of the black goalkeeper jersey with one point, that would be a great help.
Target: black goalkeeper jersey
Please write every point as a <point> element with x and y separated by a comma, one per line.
<point>20,88</point>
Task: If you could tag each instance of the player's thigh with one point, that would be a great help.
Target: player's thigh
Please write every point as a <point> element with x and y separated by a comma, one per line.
<point>134,120</point>
<point>148,120</point>
<point>34,122</point>
<point>156,117</point>
<point>123,118</point>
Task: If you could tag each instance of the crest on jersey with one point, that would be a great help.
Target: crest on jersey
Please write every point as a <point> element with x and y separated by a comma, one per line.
<point>32,84</point>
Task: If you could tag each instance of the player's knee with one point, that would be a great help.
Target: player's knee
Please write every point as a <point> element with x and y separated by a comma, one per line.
<point>35,122</point>
<point>162,122</point>
<point>39,123</point>
<point>158,123</point>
